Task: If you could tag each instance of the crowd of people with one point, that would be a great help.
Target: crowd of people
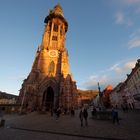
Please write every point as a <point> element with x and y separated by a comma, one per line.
<point>83,113</point>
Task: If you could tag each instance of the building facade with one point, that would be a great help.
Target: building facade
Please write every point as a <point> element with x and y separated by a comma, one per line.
<point>6,98</point>
<point>86,96</point>
<point>105,96</point>
<point>116,99</point>
<point>127,94</point>
<point>132,87</point>
<point>50,83</point>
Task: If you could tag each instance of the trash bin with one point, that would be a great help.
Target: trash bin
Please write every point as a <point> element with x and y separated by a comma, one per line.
<point>2,123</point>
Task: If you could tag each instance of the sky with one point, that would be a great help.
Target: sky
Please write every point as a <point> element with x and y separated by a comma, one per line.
<point>103,40</point>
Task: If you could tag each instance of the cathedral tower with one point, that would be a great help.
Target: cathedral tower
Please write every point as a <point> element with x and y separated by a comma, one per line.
<point>50,83</point>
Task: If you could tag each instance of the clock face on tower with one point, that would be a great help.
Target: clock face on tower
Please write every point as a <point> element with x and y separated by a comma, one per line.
<point>53,53</point>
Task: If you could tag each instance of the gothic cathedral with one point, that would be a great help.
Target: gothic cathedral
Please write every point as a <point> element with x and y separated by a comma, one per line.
<point>50,83</point>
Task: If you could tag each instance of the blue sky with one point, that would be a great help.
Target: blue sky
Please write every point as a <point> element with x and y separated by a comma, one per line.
<point>103,39</point>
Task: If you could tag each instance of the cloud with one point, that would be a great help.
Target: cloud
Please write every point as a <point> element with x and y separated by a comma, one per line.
<point>115,67</point>
<point>126,3</point>
<point>123,67</point>
<point>121,19</point>
<point>92,81</point>
<point>134,42</point>
<point>135,33</point>
<point>131,1</point>
<point>137,11</point>
<point>127,12</point>
<point>113,75</point>
<point>129,22</point>
<point>130,65</point>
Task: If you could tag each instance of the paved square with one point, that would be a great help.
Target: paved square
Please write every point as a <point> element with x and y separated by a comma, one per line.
<point>45,127</point>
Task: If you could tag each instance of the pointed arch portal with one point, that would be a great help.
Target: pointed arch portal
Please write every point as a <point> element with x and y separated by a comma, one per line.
<point>48,98</point>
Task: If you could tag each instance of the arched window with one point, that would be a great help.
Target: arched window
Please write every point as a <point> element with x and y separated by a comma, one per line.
<point>54,38</point>
<point>51,67</point>
<point>61,31</point>
<point>55,28</point>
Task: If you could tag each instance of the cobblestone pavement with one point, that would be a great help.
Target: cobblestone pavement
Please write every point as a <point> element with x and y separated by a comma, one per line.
<point>35,126</point>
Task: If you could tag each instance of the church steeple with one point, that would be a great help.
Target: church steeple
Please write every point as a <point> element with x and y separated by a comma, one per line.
<point>57,12</point>
<point>53,43</point>
<point>50,72</point>
<point>55,30</point>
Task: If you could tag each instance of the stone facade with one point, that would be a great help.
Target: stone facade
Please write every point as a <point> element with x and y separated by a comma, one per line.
<point>105,96</point>
<point>116,98</point>
<point>127,93</point>
<point>132,87</point>
<point>6,98</point>
<point>50,82</point>
<point>86,96</point>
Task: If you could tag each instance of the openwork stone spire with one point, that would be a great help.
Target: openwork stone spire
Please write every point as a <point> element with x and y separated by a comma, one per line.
<point>58,10</point>
<point>50,82</point>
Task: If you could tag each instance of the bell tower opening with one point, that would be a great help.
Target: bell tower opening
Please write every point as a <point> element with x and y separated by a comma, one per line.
<point>48,98</point>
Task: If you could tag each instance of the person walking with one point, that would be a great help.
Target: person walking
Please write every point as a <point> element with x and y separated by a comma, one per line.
<point>72,112</point>
<point>0,114</point>
<point>115,115</point>
<point>83,115</point>
<point>58,111</point>
<point>94,111</point>
<point>2,120</point>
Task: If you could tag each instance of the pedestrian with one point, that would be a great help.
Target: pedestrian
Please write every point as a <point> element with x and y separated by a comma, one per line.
<point>94,111</point>
<point>115,115</point>
<point>0,114</point>
<point>123,108</point>
<point>72,112</point>
<point>65,111</point>
<point>51,111</point>
<point>2,110</point>
<point>2,121</point>
<point>58,111</point>
<point>83,115</point>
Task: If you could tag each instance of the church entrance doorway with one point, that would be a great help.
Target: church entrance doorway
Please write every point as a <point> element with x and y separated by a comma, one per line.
<point>49,98</point>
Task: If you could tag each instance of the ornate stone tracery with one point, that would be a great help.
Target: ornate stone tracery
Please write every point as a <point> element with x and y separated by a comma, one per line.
<point>50,83</point>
